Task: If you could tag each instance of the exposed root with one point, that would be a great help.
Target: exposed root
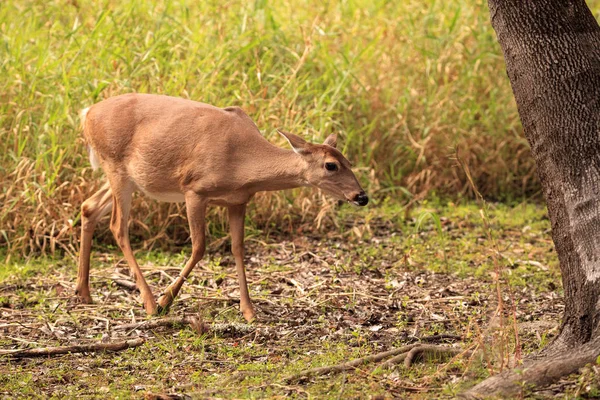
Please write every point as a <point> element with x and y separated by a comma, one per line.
<point>409,354</point>
<point>541,372</point>
<point>421,352</point>
<point>85,348</point>
<point>350,364</point>
<point>431,351</point>
<point>439,338</point>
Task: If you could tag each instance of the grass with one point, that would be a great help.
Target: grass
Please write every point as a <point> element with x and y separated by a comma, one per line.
<point>365,293</point>
<point>408,88</point>
<point>417,93</point>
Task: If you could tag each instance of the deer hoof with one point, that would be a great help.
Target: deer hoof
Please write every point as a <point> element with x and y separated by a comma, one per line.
<point>83,298</point>
<point>249,314</point>
<point>150,306</point>
<point>164,303</point>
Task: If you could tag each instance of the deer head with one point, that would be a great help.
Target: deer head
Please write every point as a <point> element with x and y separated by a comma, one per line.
<point>327,168</point>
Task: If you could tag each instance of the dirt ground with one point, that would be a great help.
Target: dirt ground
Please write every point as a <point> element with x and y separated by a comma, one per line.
<point>487,286</point>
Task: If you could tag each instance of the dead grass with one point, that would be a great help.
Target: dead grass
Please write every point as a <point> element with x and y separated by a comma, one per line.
<point>375,283</point>
<point>406,86</point>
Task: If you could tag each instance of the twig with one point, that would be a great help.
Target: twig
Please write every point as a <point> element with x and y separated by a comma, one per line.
<point>84,348</point>
<point>215,298</point>
<point>125,284</point>
<point>361,294</point>
<point>169,322</point>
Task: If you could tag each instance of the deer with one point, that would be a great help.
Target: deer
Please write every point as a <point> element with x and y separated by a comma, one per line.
<point>178,150</point>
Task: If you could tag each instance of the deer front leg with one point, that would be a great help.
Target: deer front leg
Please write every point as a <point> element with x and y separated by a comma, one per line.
<point>122,190</point>
<point>196,212</point>
<point>236,227</point>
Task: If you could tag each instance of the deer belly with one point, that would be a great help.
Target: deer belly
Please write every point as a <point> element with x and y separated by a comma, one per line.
<point>169,197</point>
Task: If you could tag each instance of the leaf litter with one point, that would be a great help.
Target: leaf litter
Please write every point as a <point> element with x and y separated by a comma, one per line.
<point>321,300</point>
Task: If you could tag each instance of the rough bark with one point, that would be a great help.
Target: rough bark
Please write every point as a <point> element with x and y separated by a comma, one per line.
<point>552,54</point>
<point>541,372</point>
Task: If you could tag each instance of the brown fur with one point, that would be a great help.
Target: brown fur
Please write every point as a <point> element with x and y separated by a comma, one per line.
<point>174,149</point>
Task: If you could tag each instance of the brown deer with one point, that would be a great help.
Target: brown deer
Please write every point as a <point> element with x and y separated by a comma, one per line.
<point>177,150</point>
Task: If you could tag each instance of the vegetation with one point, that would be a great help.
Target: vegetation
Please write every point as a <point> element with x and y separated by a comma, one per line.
<point>335,298</point>
<point>417,93</point>
<point>408,87</point>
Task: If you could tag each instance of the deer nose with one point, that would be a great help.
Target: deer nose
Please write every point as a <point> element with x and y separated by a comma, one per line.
<point>361,199</point>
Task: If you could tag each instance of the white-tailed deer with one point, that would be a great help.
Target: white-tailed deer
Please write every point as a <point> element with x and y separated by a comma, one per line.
<point>178,150</point>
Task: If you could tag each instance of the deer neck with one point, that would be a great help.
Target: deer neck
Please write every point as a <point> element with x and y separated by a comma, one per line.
<point>275,168</point>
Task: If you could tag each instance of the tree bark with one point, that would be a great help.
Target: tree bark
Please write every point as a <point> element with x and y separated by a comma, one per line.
<point>552,54</point>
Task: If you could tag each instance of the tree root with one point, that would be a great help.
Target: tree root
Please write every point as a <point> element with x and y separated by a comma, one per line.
<point>409,354</point>
<point>421,352</point>
<point>540,372</point>
<point>84,348</point>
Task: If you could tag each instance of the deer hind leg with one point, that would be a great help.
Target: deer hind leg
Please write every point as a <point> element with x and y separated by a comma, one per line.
<point>236,227</point>
<point>122,189</point>
<point>91,211</point>
<point>196,212</point>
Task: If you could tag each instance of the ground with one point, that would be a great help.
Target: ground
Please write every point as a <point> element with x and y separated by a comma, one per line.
<point>385,277</point>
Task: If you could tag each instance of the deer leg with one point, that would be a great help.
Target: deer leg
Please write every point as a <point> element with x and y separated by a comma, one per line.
<point>122,192</point>
<point>196,212</point>
<point>236,227</point>
<point>91,211</point>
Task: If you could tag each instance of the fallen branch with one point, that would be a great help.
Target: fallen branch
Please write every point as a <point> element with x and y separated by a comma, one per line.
<point>129,285</point>
<point>193,322</point>
<point>419,352</point>
<point>83,348</point>
<point>169,322</point>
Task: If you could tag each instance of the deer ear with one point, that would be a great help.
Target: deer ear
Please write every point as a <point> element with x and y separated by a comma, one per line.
<point>298,144</point>
<point>331,140</point>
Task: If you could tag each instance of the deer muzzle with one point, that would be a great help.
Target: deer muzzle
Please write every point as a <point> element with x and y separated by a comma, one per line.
<point>361,199</point>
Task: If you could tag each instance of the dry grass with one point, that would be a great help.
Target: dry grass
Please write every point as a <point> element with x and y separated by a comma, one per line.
<point>321,299</point>
<point>409,87</point>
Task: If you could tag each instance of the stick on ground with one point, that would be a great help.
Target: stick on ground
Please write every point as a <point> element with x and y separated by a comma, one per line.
<point>194,322</point>
<point>82,348</point>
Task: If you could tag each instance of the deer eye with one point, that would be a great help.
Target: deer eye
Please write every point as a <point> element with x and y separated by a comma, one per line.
<point>331,166</point>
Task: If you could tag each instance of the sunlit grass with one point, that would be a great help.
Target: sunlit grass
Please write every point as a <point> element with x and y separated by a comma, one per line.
<point>408,86</point>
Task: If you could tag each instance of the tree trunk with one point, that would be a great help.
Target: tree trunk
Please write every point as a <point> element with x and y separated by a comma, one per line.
<point>552,54</point>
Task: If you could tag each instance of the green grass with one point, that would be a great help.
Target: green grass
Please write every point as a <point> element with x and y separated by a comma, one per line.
<point>388,259</point>
<point>404,84</point>
<point>410,87</point>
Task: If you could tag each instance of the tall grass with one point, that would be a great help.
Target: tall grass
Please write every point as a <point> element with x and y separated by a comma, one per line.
<point>405,84</point>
